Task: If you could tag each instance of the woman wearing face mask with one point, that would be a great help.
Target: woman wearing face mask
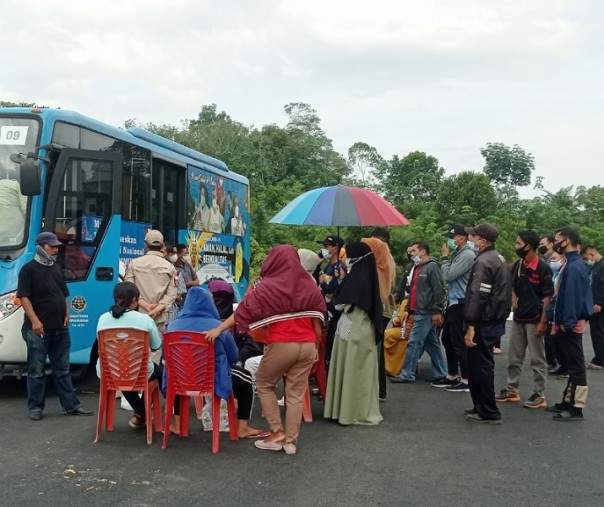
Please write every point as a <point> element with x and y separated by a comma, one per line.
<point>216,221</point>
<point>202,211</point>
<point>352,383</point>
<point>237,223</point>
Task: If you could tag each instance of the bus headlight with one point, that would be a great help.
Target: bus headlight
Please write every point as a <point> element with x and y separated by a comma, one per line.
<point>9,304</point>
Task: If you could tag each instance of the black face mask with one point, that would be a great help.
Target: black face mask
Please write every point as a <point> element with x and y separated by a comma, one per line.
<point>409,256</point>
<point>542,249</point>
<point>558,248</point>
<point>521,252</point>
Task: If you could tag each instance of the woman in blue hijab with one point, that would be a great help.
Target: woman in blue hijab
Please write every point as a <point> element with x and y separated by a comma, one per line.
<point>199,314</point>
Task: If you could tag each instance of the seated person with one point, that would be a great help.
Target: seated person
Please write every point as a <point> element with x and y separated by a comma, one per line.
<point>124,314</point>
<point>395,342</point>
<point>199,314</point>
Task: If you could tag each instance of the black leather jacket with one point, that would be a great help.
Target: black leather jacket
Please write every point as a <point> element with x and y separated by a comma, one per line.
<point>489,292</point>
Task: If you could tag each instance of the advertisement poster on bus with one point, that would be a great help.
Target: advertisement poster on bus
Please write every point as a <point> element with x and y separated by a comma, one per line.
<point>132,242</point>
<point>218,228</point>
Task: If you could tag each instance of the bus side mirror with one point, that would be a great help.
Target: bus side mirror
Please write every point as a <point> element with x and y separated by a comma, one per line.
<point>30,177</point>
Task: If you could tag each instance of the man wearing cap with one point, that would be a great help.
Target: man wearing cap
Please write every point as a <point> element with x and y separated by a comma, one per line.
<point>43,294</point>
<point>487,306</point>
<point>456,272</point>
<point>154,277</point>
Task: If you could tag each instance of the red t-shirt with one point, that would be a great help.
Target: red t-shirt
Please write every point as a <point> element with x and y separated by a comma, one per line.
<point>292,330</point>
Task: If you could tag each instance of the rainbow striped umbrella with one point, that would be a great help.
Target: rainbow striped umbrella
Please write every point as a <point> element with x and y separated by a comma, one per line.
<point>339,206</point>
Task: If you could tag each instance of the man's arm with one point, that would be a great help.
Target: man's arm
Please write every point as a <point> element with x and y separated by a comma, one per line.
<point>36,325</point>
<point>458,267</point>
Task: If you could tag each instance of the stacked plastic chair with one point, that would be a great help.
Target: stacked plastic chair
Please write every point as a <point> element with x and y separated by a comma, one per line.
<point>124,358</point>
<point>190,373</point>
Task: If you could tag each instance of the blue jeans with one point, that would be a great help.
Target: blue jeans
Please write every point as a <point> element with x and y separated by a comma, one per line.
<point>423,337</point>
<point>55,344</point>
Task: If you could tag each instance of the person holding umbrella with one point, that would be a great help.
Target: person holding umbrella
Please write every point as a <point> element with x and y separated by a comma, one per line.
<point>329,278</point>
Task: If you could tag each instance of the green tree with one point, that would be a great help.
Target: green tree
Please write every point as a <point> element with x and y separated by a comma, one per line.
<point>363,161</point>
<point>507,166</point>
<point>465,197</point>
<point>411,182</point>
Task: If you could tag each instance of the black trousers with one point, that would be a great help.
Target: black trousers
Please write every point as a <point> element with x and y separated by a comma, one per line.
<point>596,327</point>
<point>137,401</point>
<point>571,346</point>
<point>453,341</point>
<point>481,375</point>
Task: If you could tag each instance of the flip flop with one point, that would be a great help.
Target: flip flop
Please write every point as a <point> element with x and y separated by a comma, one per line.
<point>268,446</point>
<point>260,434</point>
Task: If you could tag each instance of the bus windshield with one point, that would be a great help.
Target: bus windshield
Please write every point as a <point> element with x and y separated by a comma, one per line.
<point>17,135</point>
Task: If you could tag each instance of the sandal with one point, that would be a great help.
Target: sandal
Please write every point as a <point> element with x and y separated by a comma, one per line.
<point>136,422</point>
<point>259,434</point>
<point>268,446</point>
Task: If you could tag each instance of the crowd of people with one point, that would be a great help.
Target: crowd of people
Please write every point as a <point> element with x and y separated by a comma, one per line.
<point>339,314</point>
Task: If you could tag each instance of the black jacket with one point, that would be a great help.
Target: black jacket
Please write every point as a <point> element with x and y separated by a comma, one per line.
<point>489,292</point>
<point>597,282</point>
<point>430,295</point>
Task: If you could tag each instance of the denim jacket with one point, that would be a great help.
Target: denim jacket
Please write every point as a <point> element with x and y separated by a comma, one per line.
<point>457,273</point>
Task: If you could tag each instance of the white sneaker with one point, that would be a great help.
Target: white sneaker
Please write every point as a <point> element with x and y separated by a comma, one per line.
<point>281,401</point>
<point>125,405</point>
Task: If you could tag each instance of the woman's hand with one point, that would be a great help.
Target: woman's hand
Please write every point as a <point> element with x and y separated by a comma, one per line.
<point>212,334</point>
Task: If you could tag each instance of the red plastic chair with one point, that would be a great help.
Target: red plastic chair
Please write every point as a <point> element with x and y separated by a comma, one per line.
<point>190,372</point>
<point>124,358</point>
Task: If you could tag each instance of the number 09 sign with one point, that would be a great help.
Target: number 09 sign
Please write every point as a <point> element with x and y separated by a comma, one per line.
<point>12,135</point>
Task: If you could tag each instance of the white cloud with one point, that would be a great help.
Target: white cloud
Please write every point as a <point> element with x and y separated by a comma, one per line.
<point>441,76</point>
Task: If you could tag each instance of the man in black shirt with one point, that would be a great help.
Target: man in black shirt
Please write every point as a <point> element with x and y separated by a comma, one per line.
<point>43,295</point>
<point>593,258</point>
<point>532,290</point>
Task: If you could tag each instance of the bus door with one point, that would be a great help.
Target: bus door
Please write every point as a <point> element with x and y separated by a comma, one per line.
<point>83,210</point>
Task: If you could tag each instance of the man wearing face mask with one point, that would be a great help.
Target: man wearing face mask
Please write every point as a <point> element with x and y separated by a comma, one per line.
<point>593,259</point>
<point>532,290</point>
<point>43,293</point>
<point>404,285</point>
<point>426,302</point>
<point>456,272</point>
<point>546,248</point>
<point>487,306</point>
<point>329,278</point>
<point>184,269</point>
<point>574,305</point>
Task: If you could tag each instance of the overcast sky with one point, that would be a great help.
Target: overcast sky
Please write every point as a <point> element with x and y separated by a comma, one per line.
<point>441,76</point>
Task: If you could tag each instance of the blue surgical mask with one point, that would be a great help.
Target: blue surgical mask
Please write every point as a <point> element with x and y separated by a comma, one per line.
<point>352,261</point>
<point>452,244</point>
<point>325,253</point>
<point>471,245</point>
<point>416,259</point>
<point>590,263</point>
<point>555,266</point>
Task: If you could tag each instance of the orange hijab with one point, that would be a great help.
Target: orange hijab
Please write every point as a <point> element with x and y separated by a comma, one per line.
<point>385,266</point>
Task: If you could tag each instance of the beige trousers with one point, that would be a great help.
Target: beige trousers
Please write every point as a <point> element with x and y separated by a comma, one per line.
<point>293,361</point>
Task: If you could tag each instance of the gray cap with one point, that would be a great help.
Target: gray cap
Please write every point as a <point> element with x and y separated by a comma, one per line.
<point>486,231</point>
<point>47,238</point>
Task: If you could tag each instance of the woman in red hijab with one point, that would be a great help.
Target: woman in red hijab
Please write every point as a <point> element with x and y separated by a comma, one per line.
<point>289,302</point>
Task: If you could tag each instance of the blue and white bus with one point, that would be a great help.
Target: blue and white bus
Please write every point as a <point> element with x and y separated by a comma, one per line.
<point>99,189</point>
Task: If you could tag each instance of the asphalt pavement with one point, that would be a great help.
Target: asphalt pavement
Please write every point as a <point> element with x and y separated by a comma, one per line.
<point>424,453</point>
